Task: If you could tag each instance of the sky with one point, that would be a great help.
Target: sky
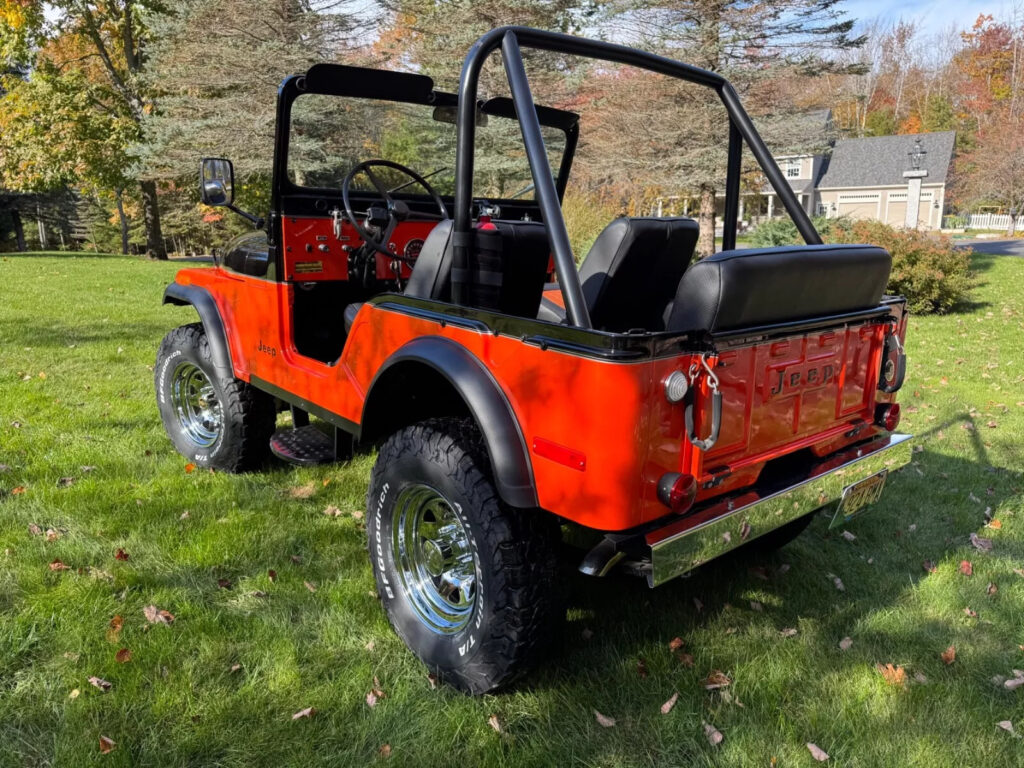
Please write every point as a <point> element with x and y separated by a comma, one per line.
<point>933,15</point>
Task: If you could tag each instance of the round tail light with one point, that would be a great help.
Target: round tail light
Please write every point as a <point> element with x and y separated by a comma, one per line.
<point>887,416</point>
<point>677,491</point>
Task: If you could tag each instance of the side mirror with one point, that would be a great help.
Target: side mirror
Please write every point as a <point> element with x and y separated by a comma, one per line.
<point>217,181</point>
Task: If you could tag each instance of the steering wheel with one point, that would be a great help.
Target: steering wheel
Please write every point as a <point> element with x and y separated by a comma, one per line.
<point>396,210</point>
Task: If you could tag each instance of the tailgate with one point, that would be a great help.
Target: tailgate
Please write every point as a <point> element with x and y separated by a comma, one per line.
<point>783,394</point>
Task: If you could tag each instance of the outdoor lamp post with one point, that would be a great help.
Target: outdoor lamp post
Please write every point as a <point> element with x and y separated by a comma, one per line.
<point>913,177</point>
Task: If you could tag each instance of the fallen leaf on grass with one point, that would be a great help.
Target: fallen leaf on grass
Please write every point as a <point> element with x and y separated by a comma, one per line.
<point>107,745</point>
<point>120,554</point>
<point>713,734</point>
<point>949,655</point>
<point>1013,683</point>
<point>756,606</point>
<point>375,694</point>
<point>357,514</point>
<point>994,524</point>
<point>224,583</point>
<point>788,632</point>
<point>370,646</point>
<point>845,644</point>
<point>893,675</point>
<point>1019,571</point>
<point>184,515</point>
<point>698,604</point>
<point>686,659</point>
<point>190,468</point>
<point>970,613</point>
<point>783,568</point>
<point>980,544</point>
<point>259,593</point>
<point>744,531</point>
<point>758,572</point>
<point>817,752</point>
<point>307,712</point>
<point>838,583</point>
<point>272,574</point>
<point>385,750</point>
<point>35,530</point>
<point>432,679</point>
<point>4,468</point>
<point>717,679</point>
<point>114,628</point>
<point>371,699</point>
<point>966,568</point>
<point>310,586</point>
<point>929,566</point>
<point>1007,726</point>
<point>86,469</point>
<point>667,706</point>
<point>235,667</point>
<point>156,615</point>
<point>57,565</point>
<point>65,482</point>
<point>494,723</point>
<point>332,511</point>
<point>100,683</point>
<point>849,536</point>
<point>302,491</point>
<point>296,559</point>
<point>123,656</point>
<point>603,720</point>
<point>641,667</point>
<point>676,644</point>
<point>920,678</point>
<point>52,535</point>
<point>74,694</point>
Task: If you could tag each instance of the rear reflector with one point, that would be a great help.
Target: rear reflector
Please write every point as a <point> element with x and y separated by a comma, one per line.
<point>677,491</point>
<point>887,416</point>
<point>559,453</point>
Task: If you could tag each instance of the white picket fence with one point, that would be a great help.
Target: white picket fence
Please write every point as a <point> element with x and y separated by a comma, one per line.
<point>992,221</point>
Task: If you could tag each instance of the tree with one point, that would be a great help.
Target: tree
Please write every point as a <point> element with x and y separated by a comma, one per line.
<point>99,48</point>
<point>751,42</point>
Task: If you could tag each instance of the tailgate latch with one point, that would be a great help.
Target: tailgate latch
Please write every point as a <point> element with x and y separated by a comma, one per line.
<point>716,405</point>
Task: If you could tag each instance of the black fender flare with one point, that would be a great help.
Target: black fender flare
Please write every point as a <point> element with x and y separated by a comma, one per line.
<point>470,378</point>
<point>209,315</point>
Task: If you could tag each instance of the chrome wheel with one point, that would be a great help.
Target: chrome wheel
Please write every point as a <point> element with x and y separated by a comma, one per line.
<point>434,559</point>
<point>195,401</point>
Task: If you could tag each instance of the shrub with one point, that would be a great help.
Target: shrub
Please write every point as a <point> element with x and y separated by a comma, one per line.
<point>932,274</point>
<point>585,217</point>
<point>928,270</point>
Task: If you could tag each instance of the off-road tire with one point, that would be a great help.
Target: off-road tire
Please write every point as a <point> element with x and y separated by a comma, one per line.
<point>247,414</point>
<point>519,605</point>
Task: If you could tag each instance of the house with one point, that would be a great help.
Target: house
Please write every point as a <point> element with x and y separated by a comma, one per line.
<point>869,178</point>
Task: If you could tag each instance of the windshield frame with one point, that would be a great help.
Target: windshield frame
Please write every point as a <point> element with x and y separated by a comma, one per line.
<point>401,87</point>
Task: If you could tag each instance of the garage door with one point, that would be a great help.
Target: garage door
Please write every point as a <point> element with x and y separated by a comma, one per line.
<point>862,205</point>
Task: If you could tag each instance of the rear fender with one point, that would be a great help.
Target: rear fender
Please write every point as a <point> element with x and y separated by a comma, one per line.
<point>437,358</point>
<point>209,314</point>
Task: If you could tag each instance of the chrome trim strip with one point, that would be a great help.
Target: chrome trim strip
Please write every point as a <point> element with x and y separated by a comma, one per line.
<point>726,524</point>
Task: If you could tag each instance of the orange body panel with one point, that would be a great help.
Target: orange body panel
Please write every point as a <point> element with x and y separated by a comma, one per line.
<point>610,418</point>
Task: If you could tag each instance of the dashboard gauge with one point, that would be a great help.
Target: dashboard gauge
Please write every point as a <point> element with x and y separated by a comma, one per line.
<point>413,248</point>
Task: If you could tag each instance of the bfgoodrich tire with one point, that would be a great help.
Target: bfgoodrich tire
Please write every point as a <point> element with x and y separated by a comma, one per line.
<point>469,584</point>
<point>213,420</point>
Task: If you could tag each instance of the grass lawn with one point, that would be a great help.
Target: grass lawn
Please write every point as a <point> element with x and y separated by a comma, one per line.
<point>83,453</point>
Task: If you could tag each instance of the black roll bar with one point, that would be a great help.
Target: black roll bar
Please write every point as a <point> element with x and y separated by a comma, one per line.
<point>741,129</point>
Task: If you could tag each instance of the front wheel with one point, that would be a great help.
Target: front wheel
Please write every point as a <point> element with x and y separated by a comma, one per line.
<point>469,584</point>
<point>213,419</point>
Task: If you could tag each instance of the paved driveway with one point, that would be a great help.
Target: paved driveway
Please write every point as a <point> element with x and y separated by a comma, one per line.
<point>996,247</point>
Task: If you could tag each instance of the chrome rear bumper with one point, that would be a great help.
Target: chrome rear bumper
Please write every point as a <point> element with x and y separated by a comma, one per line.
<point>710,531</point>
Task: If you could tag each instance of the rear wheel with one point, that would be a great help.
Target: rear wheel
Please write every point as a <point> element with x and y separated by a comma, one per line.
<point>213,420</point>
<point>469,584</point>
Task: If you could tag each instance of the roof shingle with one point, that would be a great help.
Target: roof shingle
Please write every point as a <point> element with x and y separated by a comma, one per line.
<point>879,161</point>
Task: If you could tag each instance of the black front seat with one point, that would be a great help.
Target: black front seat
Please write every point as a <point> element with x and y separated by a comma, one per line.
<point>517,267</point>
<point>630,275</point>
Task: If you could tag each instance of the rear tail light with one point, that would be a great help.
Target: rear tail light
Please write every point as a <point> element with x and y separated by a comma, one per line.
<point>677,491</point>
<point>887,416</point>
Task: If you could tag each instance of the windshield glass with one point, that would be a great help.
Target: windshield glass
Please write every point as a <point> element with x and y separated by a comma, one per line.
<point>331,134</point>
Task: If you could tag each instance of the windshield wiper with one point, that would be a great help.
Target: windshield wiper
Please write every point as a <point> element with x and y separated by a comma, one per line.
<point>413,181</point>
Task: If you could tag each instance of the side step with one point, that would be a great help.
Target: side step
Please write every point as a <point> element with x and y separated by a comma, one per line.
<point>305,446</point>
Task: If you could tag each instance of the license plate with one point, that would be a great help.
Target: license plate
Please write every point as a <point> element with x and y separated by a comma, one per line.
<point>858,497</point>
